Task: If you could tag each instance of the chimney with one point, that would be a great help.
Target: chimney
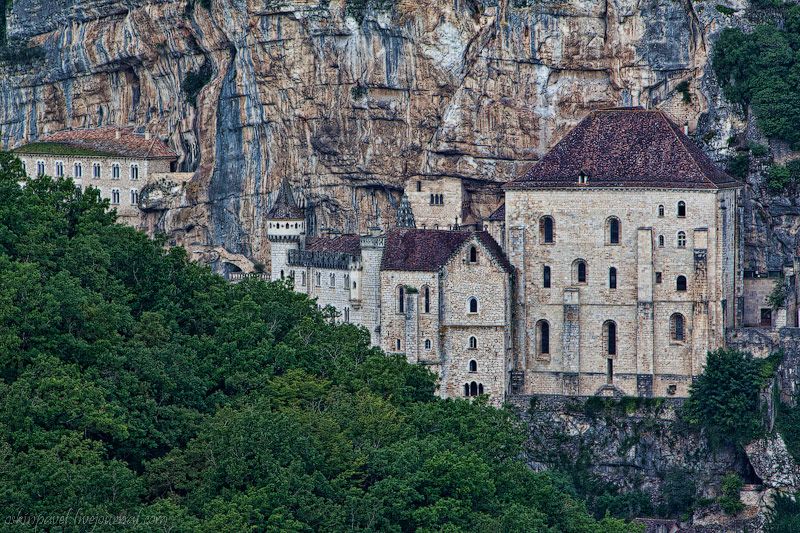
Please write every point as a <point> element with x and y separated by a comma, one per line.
<point>117,134</point>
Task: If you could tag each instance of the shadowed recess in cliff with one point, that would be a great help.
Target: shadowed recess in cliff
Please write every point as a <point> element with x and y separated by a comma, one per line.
<point>227,181</point>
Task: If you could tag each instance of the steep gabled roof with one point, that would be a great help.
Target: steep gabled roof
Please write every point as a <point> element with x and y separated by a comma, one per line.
<point>428,250</point>
<point>499,214</point>
<point>285,207</point>
<point>105,141</point>
<point>626,147</point>
<point>348,244</point>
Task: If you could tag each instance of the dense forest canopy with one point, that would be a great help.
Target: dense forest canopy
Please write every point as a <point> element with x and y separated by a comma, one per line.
<point>137,385</point>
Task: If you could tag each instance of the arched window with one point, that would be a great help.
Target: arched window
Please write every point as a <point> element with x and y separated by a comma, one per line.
<point>318,279</point>
<point>466,389</point>
<point>333,281</point>
<point>473,343</point>
<point>579,271</point>
<point>546,277</point>
<point>681,209</point>
<point>115,196</point>
<point>115,171</point>
<point>473,366</point>
<point>612,278</point>
<point>59,169</point>
<point>77,170</point>
<point>401,299</point>
<point>612,225</point>
<point>661,210</point>
<point>282,274</point>
<point>610,337</point>
<point>480,388</point>
<point>680,284</point>
<point>677,327</point>
<point>426,298</point>
<point>547,232</point>
<point>354,285</point>
<point>473,305</point>
<point>660,241</point>
<point>427,344</point>
<point>473,254</point>
<point>134,172</point>
<point>473,389</point>
<point>681,239</point>
<point>303,279</point>
<point>543,336</point>
<point>347,314</point>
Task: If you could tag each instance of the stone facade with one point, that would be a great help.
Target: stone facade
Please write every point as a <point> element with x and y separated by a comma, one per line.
<point>646,294</point>
<point>437,203</point>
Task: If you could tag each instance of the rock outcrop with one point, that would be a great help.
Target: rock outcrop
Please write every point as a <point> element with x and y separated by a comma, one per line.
<point>350,98</point>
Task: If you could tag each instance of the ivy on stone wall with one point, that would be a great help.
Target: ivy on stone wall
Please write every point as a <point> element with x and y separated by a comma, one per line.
<point>358,8</point>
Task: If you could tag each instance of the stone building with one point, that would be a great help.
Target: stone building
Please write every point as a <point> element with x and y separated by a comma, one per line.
<point>624,237</point>
<point>117,161</point>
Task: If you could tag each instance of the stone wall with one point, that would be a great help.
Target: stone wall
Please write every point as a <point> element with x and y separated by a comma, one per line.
<point>576,312</point>
<point>429,213</point>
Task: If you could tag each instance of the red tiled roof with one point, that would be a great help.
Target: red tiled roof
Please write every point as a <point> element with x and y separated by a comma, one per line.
<point>626,147</point>
<point>499,214</point>
<point>428,250</point>
<point>348,244</point>
<point>104,141</point>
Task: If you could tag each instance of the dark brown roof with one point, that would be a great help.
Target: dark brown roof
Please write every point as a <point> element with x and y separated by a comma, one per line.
<point>428,250</point>
<point>348,244</point>
<point>285,207</point>
<point>626,147</point>
<point>499,214</point>
<point>101,142</point>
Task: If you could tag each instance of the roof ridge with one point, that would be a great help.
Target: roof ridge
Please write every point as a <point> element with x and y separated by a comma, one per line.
<point>688,152</point>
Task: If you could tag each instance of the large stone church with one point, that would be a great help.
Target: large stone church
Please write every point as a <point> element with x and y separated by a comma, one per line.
<point>610,268</point>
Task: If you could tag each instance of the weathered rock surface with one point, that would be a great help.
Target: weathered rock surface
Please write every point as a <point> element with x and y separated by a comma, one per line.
<point>349,110</point>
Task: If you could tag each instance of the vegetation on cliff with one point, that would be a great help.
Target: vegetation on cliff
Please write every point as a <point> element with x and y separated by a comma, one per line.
<point>760,71</point>
<point>135,383</point>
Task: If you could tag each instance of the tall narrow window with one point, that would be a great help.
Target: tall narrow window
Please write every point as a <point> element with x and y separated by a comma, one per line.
<point>318,279</point>
<point>473,343</point>
<point>397,344</point>
<point>681,239</point>
<point>579,271</point>
<point>134,197</point>
<point>610,371</point>
<point>480,388</point>
<point>347,314</point>
<point>115,171</point>
<point>473,254</point>
<point>547,230</point>
<point>677,327</point>
<point>680,284</point>
<point>333,281</point>
<point>346,282</point>
<point>303,279</point>
<point>114,196</point>
<point>473,389</point>
<point>426,299</point>
<point>96,170</point>
<point>610,337</point>
<point>466,389</point>
<point>419,186</point>
<point>401,299</point>
<point>427,344</point>
<point>543,333</point>
<point>612,278</point>
<point>40,168</point>
<point>473,366</point>
<point>473,305</point>
<point>77,170</point>
<point>660,241</point>
<point>134,173</point>
<point>546,277</point>
<point>613,230</point>
<point>681,209</point>
<point>661,210</point>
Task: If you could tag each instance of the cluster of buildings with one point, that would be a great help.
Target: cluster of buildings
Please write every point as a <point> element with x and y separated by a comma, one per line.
<point>610,268</point>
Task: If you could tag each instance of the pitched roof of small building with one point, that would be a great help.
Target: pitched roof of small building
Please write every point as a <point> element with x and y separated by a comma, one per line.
<point>428,250</point>
<point>348,244</point>
<point>285,207</point>
<point>626,147</point>
<point>499,214</point>
<point>105,141</point>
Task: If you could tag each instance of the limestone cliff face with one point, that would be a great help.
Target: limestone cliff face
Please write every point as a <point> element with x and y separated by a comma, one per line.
<point>349,109</point>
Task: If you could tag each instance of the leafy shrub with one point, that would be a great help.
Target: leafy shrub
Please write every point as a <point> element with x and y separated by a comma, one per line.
<point>758,150</point>
<point>683,88</point>
<point>788,425</point>
<point>777,297</point>
<point>679,492</point>
<point>783,515</point>
<point>358,8</point>
<point>730,501</point>
<point>781,178</point>
<point>739,165</point>
<point>22,53</point>
<point>724,399</point>
<point>725,10</point>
